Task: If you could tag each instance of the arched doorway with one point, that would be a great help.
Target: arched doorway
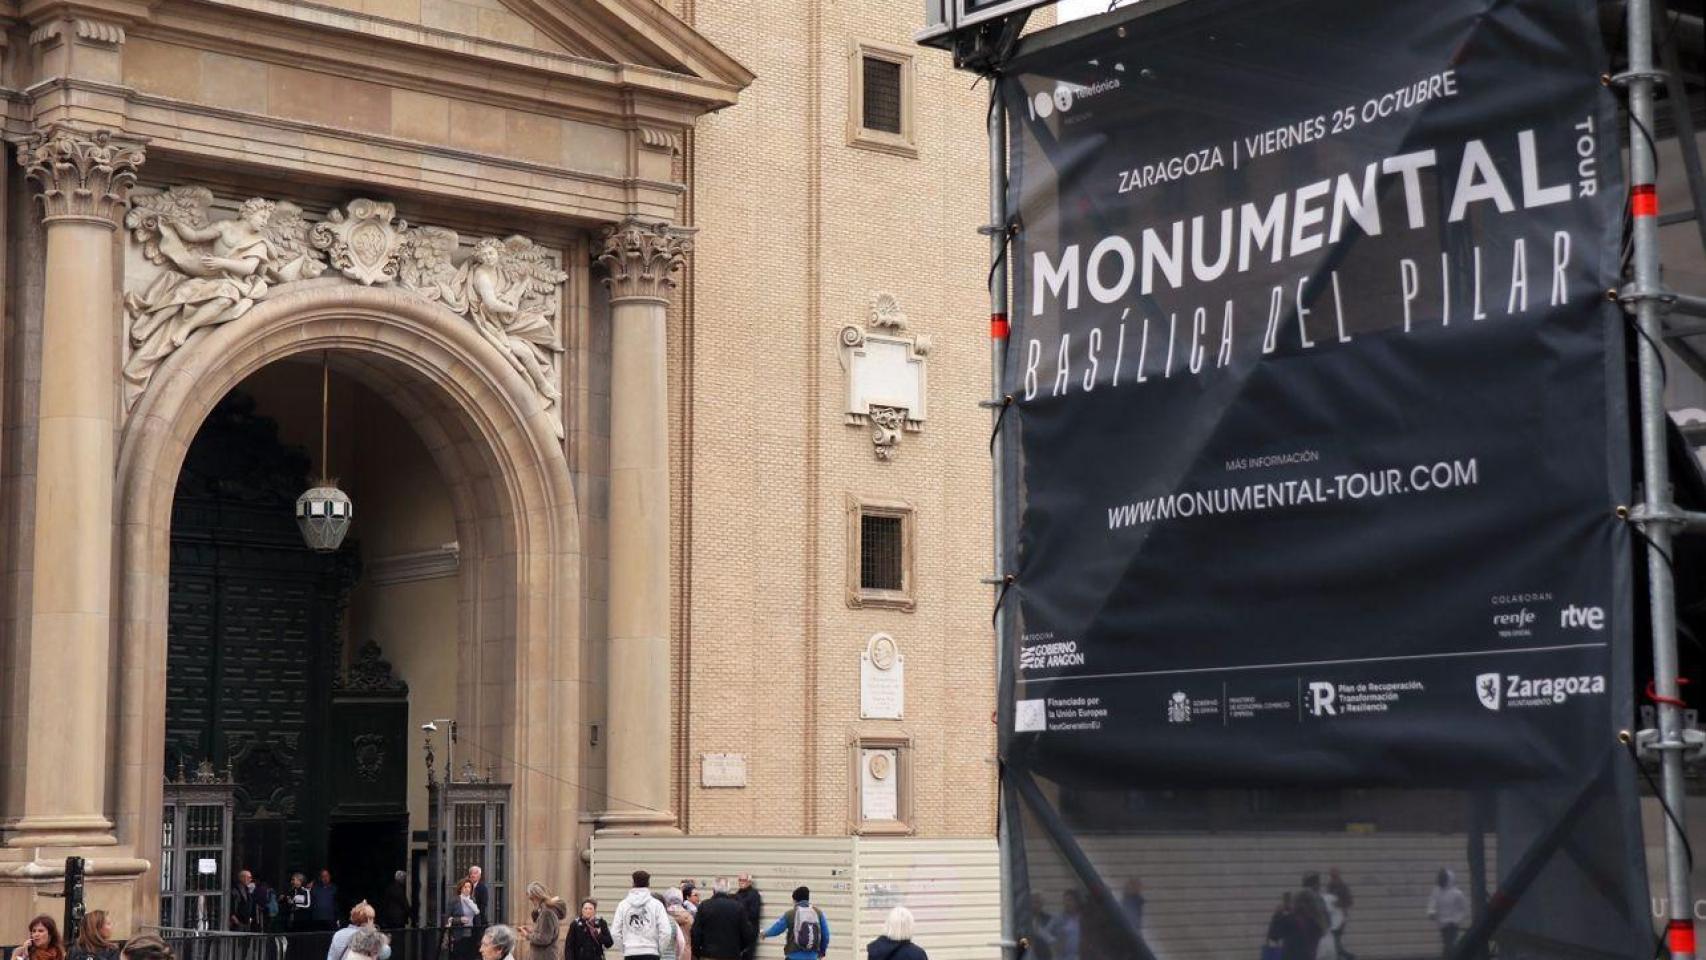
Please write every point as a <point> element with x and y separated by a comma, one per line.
<point>517,611</point>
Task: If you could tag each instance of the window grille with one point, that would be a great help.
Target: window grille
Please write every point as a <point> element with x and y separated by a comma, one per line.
<point>881,97</point>
<point>882,561</point>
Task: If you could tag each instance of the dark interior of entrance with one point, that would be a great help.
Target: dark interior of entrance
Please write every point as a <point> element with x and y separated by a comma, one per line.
<point>257,683</point>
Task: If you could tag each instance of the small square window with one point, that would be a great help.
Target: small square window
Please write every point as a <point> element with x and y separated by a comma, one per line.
<point>879,554</point>
<point>880,99</point>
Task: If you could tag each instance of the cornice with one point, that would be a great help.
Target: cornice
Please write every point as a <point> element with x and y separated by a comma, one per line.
<point>419,565</point>
<point>345,43</point>
<point>121,12</point>
<point>198,133</point>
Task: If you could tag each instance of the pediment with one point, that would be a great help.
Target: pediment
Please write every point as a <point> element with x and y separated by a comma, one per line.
<point>637,32</point>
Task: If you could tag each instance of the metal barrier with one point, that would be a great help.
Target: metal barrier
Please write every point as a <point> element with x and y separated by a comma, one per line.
<point>411,943</point>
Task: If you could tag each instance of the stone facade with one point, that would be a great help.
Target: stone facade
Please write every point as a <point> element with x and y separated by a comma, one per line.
<point>598,261</point>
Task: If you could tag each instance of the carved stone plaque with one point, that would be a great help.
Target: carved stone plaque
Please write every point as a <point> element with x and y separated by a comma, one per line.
<point>723,770</point>
<point>886,386</point>
<point>879,784</point>
<point>882,680</point>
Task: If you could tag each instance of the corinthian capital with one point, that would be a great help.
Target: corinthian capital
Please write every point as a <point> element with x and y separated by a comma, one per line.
<point>81,175</point>
<point>641,258</point>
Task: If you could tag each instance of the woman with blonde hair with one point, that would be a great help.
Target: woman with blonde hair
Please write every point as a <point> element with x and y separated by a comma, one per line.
<point>548,915</point>
<point>95,938</point>
<point>360,918</point>
<point>896,941</point>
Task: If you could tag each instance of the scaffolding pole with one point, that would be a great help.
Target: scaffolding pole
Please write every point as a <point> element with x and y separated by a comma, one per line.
<point>1656,517</point>
<point>998,234</point>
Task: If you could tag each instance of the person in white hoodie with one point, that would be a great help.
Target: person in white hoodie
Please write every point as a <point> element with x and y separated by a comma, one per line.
<point>642,927</point>
<point>1450,909</point>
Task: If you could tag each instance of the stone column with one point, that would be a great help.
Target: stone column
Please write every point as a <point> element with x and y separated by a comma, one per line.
<point>641,259</point>
<point>83,179</point>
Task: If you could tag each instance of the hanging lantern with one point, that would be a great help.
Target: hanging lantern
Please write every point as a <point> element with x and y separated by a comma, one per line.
<point>324,512</point>
<point>324,515</point>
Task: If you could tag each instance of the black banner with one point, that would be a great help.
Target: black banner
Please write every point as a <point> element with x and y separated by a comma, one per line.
<point>1320,422</point>
<point>1321,611</point>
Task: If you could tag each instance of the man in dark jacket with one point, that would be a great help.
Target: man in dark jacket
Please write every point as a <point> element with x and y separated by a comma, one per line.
<point>753,903</point>
<point>395,910</point>
<point>721,930</point>
<point>244,910</point>
<point>323,903</point>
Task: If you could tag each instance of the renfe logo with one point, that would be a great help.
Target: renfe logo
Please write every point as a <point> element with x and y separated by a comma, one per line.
<point>1519,618</point>
<point>1573,617</point>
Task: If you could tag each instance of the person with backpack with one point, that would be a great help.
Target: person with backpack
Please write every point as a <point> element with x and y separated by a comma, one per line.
<point>806,928</point>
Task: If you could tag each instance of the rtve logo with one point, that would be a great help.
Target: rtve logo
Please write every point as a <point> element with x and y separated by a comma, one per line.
<point>1573,617</point>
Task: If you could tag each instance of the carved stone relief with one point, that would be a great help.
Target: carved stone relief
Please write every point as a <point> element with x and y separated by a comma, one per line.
<point>362,244</point>
<point>370,672</point>
<point>205,271</point>
<point>369,750</point>
<point>886,381</point>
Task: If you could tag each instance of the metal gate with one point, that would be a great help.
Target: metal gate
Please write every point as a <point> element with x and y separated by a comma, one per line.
<point>195,849</point>
<point>470,819</point>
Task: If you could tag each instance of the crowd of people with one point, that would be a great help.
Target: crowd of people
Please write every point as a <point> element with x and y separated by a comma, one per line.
<point>676,923</point>
<point>1310,923</point>
<point>306,906</point>
<point>1082,931</point>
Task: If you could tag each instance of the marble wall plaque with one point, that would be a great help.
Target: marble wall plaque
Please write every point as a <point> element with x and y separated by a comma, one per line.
<point>723,770</point>
<point>882,680</point>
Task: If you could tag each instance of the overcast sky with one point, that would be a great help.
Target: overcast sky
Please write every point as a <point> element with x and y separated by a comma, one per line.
<point>1076,9</point>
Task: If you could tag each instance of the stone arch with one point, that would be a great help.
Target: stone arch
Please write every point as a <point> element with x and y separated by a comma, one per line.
<point>494,442</point>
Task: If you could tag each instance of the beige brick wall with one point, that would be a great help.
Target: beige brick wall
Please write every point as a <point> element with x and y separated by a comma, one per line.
<point>798,230</point>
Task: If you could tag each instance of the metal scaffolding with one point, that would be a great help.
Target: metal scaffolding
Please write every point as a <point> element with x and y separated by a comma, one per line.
<point>1660,315</point>
<point>1657,516</point>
